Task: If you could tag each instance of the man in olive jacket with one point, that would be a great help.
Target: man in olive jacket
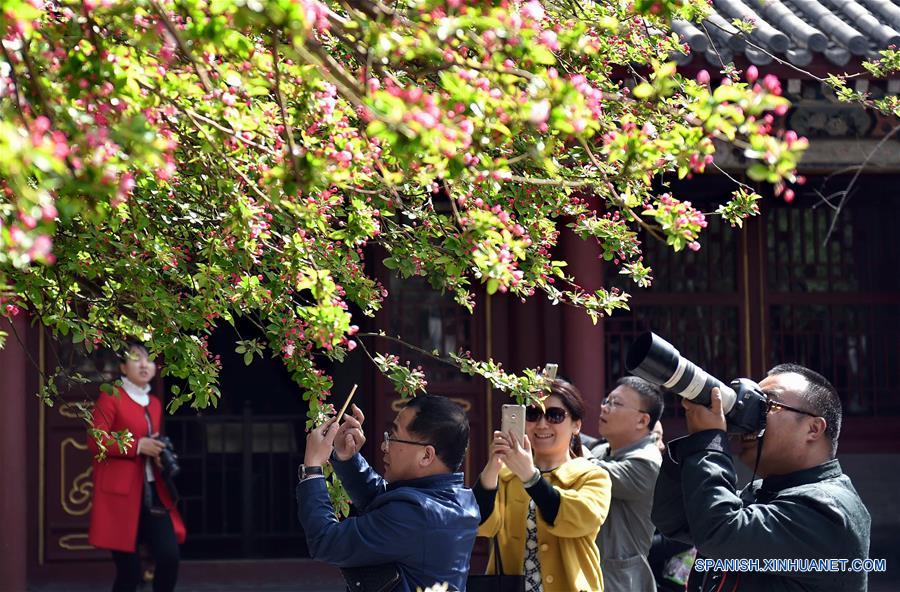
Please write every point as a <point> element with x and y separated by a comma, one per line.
<point>803,509</point>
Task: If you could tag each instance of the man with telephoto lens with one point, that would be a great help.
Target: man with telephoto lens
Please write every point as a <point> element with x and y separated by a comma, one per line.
<point>804,508</point>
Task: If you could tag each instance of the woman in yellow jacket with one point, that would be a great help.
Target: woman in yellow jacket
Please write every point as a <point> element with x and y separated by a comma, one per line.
<point>543,501</point>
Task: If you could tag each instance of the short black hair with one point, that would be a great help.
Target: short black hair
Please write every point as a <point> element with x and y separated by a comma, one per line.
<point>130,345</point>
<point>821,396</point>
<point>442,423</point>
<point>651,397</point>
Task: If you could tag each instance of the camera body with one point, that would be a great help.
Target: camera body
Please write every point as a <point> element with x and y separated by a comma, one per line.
<point>656,360</point>
<point>168,459</point>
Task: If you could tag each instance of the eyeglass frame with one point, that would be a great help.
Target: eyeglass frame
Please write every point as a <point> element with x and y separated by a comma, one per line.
<point>606,403</point>
<point>542,414</point>
<point>388,439</point>
<point>772,403</point>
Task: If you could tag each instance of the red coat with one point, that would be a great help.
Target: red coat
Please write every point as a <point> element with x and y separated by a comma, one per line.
<point>119,479</point>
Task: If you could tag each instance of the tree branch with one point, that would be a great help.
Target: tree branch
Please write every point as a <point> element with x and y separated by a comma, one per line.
<point>293,153</point>
<point>199,68</point>
<point>846,192</point>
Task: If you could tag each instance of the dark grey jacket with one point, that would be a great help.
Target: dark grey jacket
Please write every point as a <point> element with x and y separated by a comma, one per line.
<point>810,514</point>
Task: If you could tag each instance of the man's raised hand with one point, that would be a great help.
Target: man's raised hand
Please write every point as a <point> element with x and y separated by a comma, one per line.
<point>320,443</point>
<point>350,437</point>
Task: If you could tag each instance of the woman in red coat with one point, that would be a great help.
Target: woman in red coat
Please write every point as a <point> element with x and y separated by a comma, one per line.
<point>131,503</point>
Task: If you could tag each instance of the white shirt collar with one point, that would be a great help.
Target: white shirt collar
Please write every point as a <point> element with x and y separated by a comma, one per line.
<point>138,394</point>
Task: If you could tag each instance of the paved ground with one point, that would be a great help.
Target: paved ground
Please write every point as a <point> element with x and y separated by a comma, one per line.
<point>283,576</point>
<point>207,576</point>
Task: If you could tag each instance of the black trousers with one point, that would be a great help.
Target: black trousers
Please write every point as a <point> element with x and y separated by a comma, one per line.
<point>156,531</point>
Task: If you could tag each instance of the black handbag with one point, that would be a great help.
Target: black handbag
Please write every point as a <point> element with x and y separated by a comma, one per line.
<point>497,581</point>
<point>371,578</point>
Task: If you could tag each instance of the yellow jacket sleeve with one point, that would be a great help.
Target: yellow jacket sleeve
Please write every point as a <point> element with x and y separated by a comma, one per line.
<point>490,527</point>
<point>584,503</point>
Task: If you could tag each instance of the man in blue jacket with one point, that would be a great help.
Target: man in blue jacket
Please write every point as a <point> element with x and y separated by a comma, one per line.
<point>419,518</point>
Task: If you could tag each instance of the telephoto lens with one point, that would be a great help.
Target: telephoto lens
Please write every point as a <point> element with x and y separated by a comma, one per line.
<point>653,358</point>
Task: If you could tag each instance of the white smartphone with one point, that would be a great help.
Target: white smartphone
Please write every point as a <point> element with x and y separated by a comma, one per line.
<point>512,419</point>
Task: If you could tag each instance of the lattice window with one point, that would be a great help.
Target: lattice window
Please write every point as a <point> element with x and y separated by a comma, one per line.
<point>834,306</point>
<point>712,269</point>
<point>799,260</point>
<point>432,321</point>
<point>855,347</point>
<point>708,336</point>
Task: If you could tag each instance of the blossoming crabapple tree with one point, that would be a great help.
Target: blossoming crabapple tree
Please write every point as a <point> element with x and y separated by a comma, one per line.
<point>170,165</point>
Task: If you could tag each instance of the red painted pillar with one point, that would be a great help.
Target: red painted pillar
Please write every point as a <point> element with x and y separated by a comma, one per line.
<point>582,341</point>
<point>13,468</point>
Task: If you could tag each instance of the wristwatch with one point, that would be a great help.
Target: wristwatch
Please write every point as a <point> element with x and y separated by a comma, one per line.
<point>304,472</point>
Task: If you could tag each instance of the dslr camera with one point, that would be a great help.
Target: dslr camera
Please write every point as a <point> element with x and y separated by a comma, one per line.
<point>168,459</point>
<point>654,359</point>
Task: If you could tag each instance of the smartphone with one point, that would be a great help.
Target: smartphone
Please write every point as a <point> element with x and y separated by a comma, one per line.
<point>512,419</point>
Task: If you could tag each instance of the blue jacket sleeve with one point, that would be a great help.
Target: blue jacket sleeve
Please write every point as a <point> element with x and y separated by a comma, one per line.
<point>360,480</point>
<point>383,535</point>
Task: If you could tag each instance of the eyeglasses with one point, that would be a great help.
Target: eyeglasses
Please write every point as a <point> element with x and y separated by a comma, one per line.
<point>551,414</point>
<point>775,406</point>
<point>615,404</point>
<point>388,438</point>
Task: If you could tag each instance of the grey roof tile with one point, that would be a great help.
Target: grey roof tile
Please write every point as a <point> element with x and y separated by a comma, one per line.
<point>879,33</point>
<point>794,30</point>
<point>801,33</point>
<point>887,11</point>
<point>691,34</point>
<point>763,33</point>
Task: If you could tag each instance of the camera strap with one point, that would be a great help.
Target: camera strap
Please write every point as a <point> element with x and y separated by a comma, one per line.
<point>759,445</point>
<point>148,494</point>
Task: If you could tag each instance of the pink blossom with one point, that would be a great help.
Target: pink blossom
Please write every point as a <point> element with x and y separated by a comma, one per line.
<point>548,38</point>
<point>772,84</point>
<point>533,10</point>
<point>752,74</point>
<point>41,247</point>
<point>540,111</point>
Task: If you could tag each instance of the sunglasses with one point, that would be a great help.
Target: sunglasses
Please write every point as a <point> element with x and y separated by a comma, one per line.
<point>551,414</point>
<point>775,406</point>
